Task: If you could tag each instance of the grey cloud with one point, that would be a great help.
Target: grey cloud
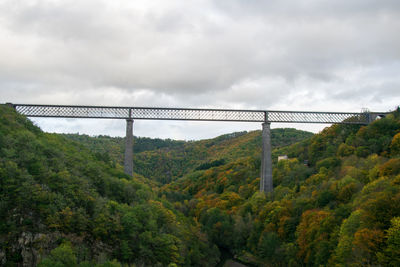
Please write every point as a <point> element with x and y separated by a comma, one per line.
<point>305,8</point>
<point>223,54</point>
<point>132,53</point>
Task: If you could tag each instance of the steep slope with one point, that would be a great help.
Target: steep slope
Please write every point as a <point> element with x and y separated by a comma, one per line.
<point>336,200</point>
<point>60,202</point>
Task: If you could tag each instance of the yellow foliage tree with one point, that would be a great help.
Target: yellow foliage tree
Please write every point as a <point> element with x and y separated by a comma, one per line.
<point>395,145</point>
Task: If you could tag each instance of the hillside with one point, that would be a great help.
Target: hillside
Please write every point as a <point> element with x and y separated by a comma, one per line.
<point>336,200</point>
<point>341,208</point>
<point>164,161</point>
<point>58,201</point>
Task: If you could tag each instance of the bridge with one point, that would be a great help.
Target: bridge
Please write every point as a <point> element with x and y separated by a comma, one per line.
<point>266,117</point>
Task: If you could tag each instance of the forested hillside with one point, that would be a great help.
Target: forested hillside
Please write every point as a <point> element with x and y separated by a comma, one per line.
<point>336,201</point>
<point>60,204</point>
<point>164,161</point>
<point>64,198</point>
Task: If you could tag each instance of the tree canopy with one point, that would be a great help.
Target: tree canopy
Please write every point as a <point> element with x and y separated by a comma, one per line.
<point>65,201</point>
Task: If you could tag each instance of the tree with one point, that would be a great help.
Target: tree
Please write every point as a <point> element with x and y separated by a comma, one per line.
<point>345,150</point>
<point>268,246</point>
<point>391,254</point>
<point>313,236</point>
<point>60,257</point>
<point>395,145</point>
<point>366,244</point>
<point>392,167</point>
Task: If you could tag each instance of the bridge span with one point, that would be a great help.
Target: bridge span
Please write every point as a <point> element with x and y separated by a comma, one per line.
<point>266,117</point>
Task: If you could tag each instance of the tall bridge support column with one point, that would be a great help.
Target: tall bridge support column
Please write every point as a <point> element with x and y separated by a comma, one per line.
<point>266,185</point>
<point>128,162</point>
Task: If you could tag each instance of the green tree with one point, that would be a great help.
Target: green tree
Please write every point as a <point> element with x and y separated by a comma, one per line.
<point>61,256</point>
<point>345,150</point>
<point>395,145</point>
<point>391,255</point>
<point>269,245</point>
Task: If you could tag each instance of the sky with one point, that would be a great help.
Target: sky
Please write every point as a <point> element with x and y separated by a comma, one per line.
<point>312,55</point>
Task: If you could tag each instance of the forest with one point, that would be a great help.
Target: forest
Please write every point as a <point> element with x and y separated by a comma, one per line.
<point>65,200</point>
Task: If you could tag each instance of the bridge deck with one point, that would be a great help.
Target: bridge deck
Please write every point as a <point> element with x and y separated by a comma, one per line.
<point>148,113</point>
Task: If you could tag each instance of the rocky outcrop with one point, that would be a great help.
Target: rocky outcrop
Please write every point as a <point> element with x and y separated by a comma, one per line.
<point>30,248</point>
<point>2,258</point>
<point>33,246</point>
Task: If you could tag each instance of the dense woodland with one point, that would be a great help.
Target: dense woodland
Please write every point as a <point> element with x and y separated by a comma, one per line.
<point>65,201</point>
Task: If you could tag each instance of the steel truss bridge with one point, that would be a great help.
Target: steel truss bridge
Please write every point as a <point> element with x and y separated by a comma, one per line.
<point>148,113</point>
<point>191,114</point>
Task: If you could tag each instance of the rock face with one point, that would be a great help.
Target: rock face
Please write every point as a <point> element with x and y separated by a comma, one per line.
<point>29,248</point>
<point>32,246</point>
<point>2,257</point>
<point>28,253</point>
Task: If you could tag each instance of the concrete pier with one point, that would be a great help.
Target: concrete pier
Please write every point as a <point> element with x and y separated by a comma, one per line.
<point>128,162</point>
<point>266,160</point>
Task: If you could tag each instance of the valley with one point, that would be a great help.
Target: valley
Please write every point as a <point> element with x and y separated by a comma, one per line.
<point>66,200</point>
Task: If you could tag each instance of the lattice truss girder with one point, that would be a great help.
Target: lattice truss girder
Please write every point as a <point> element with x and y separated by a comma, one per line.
<point>72,112</point>
<point>190,114</point>
<point>318,117</point>
<point>196,114</point>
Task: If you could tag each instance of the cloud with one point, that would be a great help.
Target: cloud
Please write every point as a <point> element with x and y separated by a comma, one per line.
<point>297,55</point>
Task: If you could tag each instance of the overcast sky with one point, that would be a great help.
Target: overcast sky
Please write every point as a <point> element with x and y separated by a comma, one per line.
<point>318,55</point>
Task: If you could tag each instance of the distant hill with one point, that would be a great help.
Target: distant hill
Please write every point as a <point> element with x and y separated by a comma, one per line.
<point>166,160</point>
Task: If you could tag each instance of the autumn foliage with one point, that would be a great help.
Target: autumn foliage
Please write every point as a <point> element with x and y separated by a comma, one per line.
<point>335,202</point>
